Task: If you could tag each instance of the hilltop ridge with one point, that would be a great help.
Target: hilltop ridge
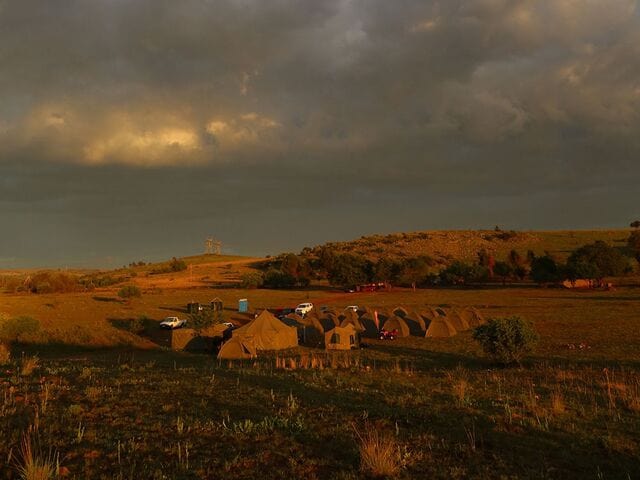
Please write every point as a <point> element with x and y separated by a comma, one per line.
<point>447,245</point>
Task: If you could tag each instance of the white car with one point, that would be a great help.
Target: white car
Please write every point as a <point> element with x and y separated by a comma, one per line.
<point>172,322</point>
<point>228,324</point>
<point>353,308</point>
<point>304,308</point>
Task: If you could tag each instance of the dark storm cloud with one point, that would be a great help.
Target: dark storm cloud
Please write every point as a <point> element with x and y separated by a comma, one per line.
<point>137,128</point>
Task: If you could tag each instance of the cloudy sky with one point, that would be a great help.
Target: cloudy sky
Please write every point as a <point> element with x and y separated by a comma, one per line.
<point>134,129</point>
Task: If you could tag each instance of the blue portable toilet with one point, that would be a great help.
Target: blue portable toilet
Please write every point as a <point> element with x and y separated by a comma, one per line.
<point>243,305</point>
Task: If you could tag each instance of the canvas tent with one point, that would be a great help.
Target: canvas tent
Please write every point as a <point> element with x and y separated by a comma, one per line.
<point>478,319</point>
<point>400,312</point>
<point>396,323</point>
<point>310,332</point>
<point>370,329</point>
<point>471,316</point>
<point>341,338</point>
<point>439,328</point>
<point>457,321</point>
<point>266,332</point>
<point>238,348</point>
<point>416,324</point>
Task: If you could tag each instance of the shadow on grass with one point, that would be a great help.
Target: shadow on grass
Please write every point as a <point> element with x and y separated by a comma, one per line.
<point>174,309</point>
<point>107,299</point>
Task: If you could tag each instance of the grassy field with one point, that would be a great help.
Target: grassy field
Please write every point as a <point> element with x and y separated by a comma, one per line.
<point>106,403</point>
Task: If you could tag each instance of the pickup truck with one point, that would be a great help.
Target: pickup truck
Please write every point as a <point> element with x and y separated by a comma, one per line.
<point>304,308</point>
<point>172,322</point>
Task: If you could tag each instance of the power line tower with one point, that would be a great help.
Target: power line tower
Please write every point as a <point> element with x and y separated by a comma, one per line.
<point>212,246</point>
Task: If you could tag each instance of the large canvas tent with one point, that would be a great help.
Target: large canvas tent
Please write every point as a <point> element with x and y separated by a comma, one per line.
<point>341,338</point>
<point>266,332</point>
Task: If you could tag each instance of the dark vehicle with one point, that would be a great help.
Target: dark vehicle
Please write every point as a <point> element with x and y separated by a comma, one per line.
<point>388,334</point>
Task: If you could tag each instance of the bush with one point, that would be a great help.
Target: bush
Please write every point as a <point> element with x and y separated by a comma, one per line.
<point>19,329</point>
<point>506,340</point>
<point>53,282</point>
<point>129,291</point>
<point>252,280</point>
<point>174,265</point>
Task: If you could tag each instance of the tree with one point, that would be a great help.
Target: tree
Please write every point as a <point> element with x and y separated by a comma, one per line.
<point>415,270</point>
<point>506,340</point>
<point>545,270</point>
<point>275,278</point>
<point>387,270</point>
<point>460,273</point>
<point>348,270</point>
<point>575,270</point>
<point>204,318</point>
<point>635,224</point>
<point>633,242</point>
<point>503,270</point>
<point>515,260</point>
<point>605,260</point>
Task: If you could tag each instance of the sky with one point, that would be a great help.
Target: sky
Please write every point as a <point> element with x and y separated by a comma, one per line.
<point>135,129</point>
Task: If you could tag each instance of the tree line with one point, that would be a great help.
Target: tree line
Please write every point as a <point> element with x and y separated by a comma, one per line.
<point>594,261</point>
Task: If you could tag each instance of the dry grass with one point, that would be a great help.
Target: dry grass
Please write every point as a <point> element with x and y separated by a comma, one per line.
<point>379,452</point>
<point>33,465</point>
<point>558,405</point>
<point>28,365</point>
<point>5,354</point>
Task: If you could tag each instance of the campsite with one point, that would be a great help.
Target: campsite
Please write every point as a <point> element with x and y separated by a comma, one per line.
<point>108,394</point>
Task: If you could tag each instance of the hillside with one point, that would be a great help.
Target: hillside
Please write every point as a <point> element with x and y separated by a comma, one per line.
<point>444,246</point>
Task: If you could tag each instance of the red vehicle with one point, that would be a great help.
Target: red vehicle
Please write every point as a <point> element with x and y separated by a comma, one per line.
<point>388,334</point>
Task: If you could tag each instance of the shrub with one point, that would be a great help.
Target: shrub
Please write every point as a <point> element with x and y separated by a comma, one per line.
<point>53,282</point>
<point>174,265</point>
<point>19,328</point>
<point>252,280</point>
<point>29,365</point>
<point>506,340</point>
<point>129,291</point>
<point>33,465</point>
<point>379,453</point>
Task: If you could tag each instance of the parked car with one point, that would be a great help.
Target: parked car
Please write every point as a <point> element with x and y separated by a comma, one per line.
<point>353,308</point>
<point>229,324</point>
<point>304,308</point>
<point>172,323</point>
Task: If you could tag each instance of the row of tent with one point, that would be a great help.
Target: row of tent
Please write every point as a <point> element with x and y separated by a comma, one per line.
<point>434,322</point>
<point>343,330</point>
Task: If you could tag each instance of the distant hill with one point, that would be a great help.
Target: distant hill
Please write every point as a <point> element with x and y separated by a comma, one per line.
<point>445,246</point>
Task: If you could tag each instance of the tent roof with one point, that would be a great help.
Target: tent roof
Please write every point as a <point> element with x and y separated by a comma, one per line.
<point>266,332</point>
<point>440,327</point>
<point>237,348</point>
<point>397,323</point>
